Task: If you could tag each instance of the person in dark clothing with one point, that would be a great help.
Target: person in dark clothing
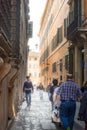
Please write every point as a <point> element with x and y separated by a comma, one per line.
<point>40,87</point>
<point>84,87</point>
<point>83,109</point>
<point>28,89</point>
<point>52,88</point>
<point>48,89</point>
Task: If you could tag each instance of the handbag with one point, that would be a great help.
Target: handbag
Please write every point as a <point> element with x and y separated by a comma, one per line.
<point>55,115</point>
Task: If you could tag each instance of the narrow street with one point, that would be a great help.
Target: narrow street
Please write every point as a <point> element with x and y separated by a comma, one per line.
<point>38,117</point>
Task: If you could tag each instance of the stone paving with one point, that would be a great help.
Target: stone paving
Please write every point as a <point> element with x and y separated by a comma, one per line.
<point>37,117</point>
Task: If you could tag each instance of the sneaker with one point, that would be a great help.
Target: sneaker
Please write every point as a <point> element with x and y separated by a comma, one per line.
<point>68,128</point>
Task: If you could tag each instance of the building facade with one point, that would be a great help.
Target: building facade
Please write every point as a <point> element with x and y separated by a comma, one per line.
<point>62,40</point>
<point>33,67</point>
<point>13,56</point>
<point>76,34</point>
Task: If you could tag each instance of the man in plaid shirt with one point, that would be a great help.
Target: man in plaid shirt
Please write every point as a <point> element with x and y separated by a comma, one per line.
<point>68,93</point>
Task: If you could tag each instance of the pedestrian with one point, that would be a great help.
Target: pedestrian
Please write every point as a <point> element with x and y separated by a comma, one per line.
<point>56,102</point>
<point>84,87</point>
<point>83,109</point>
<point>48,89</point>
<point>40,87</point>
<point>52,88</point>
<point>28,89</point>
<point>56,105</point>
<point>68,93</point>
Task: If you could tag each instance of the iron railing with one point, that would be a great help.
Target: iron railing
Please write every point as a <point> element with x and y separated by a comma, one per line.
<point>5,16</point>
<point>77,24</point>
<point>15,27</point>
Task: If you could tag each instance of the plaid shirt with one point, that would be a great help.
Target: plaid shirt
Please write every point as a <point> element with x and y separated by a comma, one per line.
<point>69,91</point>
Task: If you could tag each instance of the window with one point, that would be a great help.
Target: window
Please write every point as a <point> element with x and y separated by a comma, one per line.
<point>71,17</point>
<point>54,67</point>
<point>60,77</point>
<point>66,62</point>
<point>35,58</point>
<point>71,13</point>
<point>30,29</point>
<point>61,65</point>
<point>59,35</point>
<point>65,27</point>
<point>52,44</point>
<point>55,41</point>
<point>71,63</point>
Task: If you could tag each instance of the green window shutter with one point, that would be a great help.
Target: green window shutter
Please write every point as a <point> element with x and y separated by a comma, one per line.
<point>55,41</point>
<point>76,8</point>
<point>68,21</point>
<point>71,17</point>
<point>59,35</point>
<point>61,65</point>
<point>71,63</point>
<point>67,62</point>
<point>65,27</point>
<point>54,67</point>
<point>52,45</point>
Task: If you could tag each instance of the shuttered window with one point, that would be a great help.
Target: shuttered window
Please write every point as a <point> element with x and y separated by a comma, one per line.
<point>55,41</point>
<point>59,35</point>
<point>71,63</point>
<point>52,44</point>
<point>76,3</point>
<point>71,17</point>
<point>61,65</point>
<point>54,67</point>
<point>67,62</point>
<point>65,27</point>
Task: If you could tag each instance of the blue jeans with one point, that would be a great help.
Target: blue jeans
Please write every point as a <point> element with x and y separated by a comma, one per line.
<point>28,98</point>
<point>67,113</point>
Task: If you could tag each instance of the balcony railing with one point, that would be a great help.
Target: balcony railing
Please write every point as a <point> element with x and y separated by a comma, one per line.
<point>77,25</point>
<point>5,17</point>
<point>15,27</point>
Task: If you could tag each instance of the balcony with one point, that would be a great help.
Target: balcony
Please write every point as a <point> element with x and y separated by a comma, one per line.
<point>5,46</point>
<point>77,29</point>
<point>5,18</point>
<point>15,27</point>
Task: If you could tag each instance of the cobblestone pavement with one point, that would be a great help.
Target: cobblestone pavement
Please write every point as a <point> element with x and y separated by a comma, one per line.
<point>38,117</point>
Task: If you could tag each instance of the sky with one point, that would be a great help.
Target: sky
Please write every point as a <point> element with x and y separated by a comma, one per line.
<point>36,11</point>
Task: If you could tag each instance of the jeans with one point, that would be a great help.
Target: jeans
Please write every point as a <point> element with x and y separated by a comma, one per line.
<point>67,113</point>
<point>41,94</point>
<point>28,98</point>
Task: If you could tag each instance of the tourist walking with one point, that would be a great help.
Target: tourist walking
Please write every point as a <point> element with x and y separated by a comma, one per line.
<point>48,89</point>
<point>84,87</point>
<point>56,105</point>
<point>40,87</point>
<point>68,93</point>
<point>52,88</point>
<point>28,89</point>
